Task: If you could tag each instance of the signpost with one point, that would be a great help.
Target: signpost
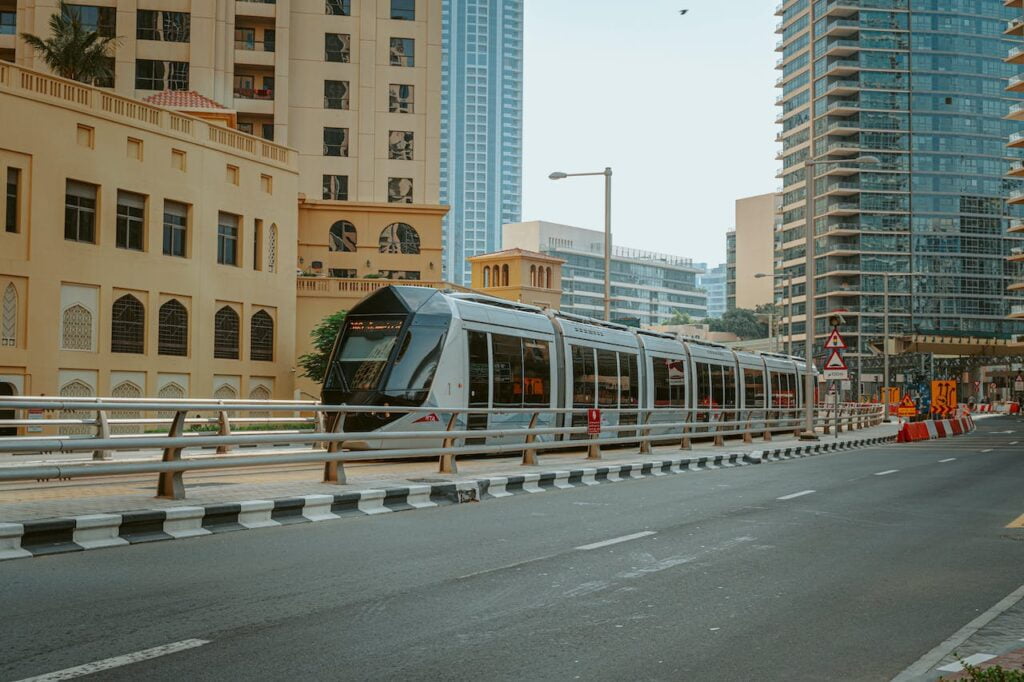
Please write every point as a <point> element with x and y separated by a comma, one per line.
<point>593,421</point>
<point>1018,383</point>
<point>943,398</point>
<point>906,407</point>
<point>835,367</point>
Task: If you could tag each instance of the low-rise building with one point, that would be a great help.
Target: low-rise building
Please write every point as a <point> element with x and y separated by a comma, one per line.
<point>519,275</point>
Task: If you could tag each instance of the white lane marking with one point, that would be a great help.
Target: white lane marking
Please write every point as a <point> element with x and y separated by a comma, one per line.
<point>886,472</point>
<point>987,450</point>
<point>799,494</point>
<point>932,658</point>
<point>615,541</point>
<point>516,564</point>
<point>973,659</point>
<point>118,661</point>
<point>1014,442</point>
<point>949,459</point>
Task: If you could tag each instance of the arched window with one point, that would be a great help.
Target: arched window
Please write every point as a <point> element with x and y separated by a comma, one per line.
<point>343,237</point>
<point>76,332</point>
<point>127,325</point>
<point>225,334</point>
<point>533,275</point>
<point>225,392</point>
<point>495,276</point>
<point>173,334</point>
<point>399,238</point>
<point>9,318</point>
<point>487,276</point>
<point>504,275</point>
<point>547,277</point>
<point>126,389</point>
<point>261,336</point>
<point>75,389</point>
<point>272,249</point>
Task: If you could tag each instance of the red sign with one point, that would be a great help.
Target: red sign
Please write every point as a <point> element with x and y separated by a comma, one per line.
<point>593,421</point>
<point>432,417</point>
<point>906,408</point>
<point>835,361</point>
<point>835,340</point>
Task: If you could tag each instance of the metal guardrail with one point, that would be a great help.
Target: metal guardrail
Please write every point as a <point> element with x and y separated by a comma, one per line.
<point>331,446</point>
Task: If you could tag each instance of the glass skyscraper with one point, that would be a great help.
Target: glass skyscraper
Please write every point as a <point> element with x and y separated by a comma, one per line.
<point>481,126</point>
<point>920,86</point>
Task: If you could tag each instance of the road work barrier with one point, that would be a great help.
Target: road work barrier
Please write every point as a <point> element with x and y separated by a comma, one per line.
<point>444,432</point>
<point>930,430</point>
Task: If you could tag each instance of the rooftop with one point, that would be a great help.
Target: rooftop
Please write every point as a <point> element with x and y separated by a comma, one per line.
<point>183,99</point>
<point>526,253</point>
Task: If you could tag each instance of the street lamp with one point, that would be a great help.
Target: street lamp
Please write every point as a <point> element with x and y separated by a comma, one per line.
<point>809,164</point>
<point>789,313</point>
<point>607,173</point>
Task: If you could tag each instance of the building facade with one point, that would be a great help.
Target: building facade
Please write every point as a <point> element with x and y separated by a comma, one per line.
<point>1015,58</point>
<point>712,281</point>
<point>755,242</point>
<point>519,275</point>
<point>647,288</point>
<point>144,253</point>
<point>906,127</point>
<point>730,270</point>
<point>481,126</point>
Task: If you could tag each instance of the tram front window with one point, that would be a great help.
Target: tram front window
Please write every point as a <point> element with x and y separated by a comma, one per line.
<point>366,346</point>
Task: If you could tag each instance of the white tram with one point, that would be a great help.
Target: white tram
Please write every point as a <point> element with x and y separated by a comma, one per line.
<point>419,347</point>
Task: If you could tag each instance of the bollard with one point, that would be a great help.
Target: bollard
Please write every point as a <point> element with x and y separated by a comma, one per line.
<point>530,454</point>
<point>170,484</point>
<point>334,471</point>
<point>102,431</point>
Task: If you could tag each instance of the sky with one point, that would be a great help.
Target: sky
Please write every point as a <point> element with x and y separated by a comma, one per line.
<point>681,107</point>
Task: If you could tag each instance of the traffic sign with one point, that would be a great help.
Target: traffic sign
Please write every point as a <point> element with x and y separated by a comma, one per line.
<point>943,397</point>
<point>593,421</point>
<point>1018,383</point>
<point>835,340</point>
<point>835,366</point>
<point>906,408</point>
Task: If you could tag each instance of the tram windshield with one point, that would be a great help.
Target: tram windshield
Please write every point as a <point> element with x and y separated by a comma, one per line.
<point>366,346</point>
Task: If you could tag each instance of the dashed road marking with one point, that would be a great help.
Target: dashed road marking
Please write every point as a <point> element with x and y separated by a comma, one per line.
<point>615,541</point>
<point>987,450</point>
<point>799,494</point>
<point>1014,442</point>
<point>1017,522</point>
<point>886,472</point>
<point>118,661</point>
<point>948,459</point>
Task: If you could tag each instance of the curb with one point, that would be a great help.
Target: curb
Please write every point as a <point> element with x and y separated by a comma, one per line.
<point>95,531</point>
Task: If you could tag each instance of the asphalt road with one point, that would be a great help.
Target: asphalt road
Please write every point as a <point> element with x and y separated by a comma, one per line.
<point>855,580</point>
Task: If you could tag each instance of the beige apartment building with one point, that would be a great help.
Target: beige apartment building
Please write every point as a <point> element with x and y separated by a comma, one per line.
<point>754,249</point>
<point>143,252</point>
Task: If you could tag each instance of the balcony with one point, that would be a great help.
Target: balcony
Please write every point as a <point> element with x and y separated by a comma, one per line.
<point>1016,170</point>
<point>842,67</point>
<point>843,108</point>
<point>1015,27</point>
<point>843,87</point>
<point>840,247</point>
<point>840,189</point>
<point>842,208</point>
<point>841,48</point>
<point>1016,56</point>
<point>1017,310</point>
<point>841,128</point>
<point>1016,227</point>
<point>1016,140</point>
<point>1016,286</point>
<point>254,52</point>
<point>256,8</point>
<point>841,8</point>
<point>254,101</point>
<point>841,147</point>
<point>840,228</point>
<point>1016,84</point>
<point>1016,254</point>
<point>1016,113</point>
<point>841,27</point>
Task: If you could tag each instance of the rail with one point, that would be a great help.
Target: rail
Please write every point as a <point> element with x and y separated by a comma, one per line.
<point>446,433</point>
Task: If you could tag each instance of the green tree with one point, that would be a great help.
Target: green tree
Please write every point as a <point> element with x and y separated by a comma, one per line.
<point>73,50</point>
<point>314,364</point>
<point>679,317</point>
<point>741,322</point>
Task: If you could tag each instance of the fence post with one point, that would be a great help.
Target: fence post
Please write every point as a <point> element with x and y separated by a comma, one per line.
<point>102,431</point>
<point>767,436</point>
<point>334,470</point>
<point>530,454</point>
<point>645,435</point>
<point>797,429</point>
<point>594,449</point>
<point>224,429</point>
<point>719,439</point>
<point>320,424</point>
<point>170,484</point>
<point>827,427</point>
<point>748,437</point>
<point>684,444</point>
<point>447,463</point>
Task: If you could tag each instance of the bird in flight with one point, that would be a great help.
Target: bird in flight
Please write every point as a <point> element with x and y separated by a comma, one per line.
<point>683,11</point>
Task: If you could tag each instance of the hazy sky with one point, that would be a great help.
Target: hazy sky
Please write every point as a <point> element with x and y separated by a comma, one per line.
<point>681,107</point>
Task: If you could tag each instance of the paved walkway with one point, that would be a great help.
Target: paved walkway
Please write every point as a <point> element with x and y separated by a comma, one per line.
<point>26,500</point>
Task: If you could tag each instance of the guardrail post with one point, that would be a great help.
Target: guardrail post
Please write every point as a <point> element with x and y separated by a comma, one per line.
<point>684,444</point>
<point>645,435</point>
<point>797,429</point>
<point>320,424</point>
<point>827,428</point>
<point>334,470</point>
<point>447,463</point>
<point>102,431</point>
<point>767,435</point>
<point>530,454</point>
<point>224,429</point>
<point>719,439</point>
<point>594,449</point>
<point>748,437</point>
<point>171,485</point>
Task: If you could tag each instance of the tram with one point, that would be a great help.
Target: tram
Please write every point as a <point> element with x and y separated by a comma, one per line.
<point>407,346</point>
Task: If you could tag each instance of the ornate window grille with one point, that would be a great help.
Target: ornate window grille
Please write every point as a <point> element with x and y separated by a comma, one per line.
<point>76,331</point>
<point>173,333</point>
<point>399,238</point>
<point>128,326</point>
<point>225,334</point>
<point>261,336</point>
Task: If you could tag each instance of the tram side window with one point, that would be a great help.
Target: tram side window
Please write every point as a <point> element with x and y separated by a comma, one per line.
<point>508,370</point>
<point>629,381</point>
<point>717,386</point>
<point>783,386</point>
<point>669,382</point>
<point>582,376</point>
<point>753,380</point>
<point>729,387</point>
<point>537,372</point>
<point>479,374</point>
<point>703,384</point>
<point>607,378</point>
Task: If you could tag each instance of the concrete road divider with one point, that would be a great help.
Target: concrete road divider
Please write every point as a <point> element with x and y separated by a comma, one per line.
<point>930,430</point>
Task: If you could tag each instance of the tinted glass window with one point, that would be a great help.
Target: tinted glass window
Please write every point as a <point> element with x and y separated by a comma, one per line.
<point>629,381</point>
<point>365,348</point>
<point>717,386</point>
<point>582,376</point>
<point>536,372</point>
<point>729,387</point>
<point>479,372</point>
<point>508,370</point>
<point>753,380</point>
<point>607,378</point>
<point>416,362</point>
<point>703,384</point>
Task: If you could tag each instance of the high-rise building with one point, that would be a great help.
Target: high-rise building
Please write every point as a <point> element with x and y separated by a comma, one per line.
<point>647,288</point>
<point>730,270</point>
<point>481,126</point>
<point>1015,29</point>
<point>713,282</point>
<point>906,128</point>
<point>755,240</point>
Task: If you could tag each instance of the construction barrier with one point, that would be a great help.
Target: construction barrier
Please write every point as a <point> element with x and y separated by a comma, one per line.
<point>930,430</point>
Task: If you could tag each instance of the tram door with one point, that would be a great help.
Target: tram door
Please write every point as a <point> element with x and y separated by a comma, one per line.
<point>5,390</point>
<point>479,383</point>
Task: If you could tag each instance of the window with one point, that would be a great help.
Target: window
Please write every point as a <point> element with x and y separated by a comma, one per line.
<point>227,239</point>
<point>257,245</point>
<point>342,237</point>
<point>336,47</point>
<point>479,370</point>
<point>272,249</point>
<point>342,273</point>
<point>80,212</point>
<point>9,317</point>
<point>261,336</point>
<point>173,329</point>
<point>629,382</point>
<point>336,187</point>
<point>400,190</point>
<point>245,38</point>
<point>504,275</point>
<point>403,52</point>
<point>103,20</point>
<point>131,220</point>
<point>335,141</point>
<point>339,7</point>
<point>669,382</point>
<point>268,132</point>
<point>607,379</point>
<point>507,354</point>
<point>225,334</point>
<point>336,95</point>
<point>399,238</point>
<point>400,145</point>
<point>175,228</point>
<point>400,98</point>
<point>403,9</point>
<point>536,372</point>
<point>753,388</point>
<point>583,377</point>
<point>153,74</point>
<point>399,274</point>
<point>8,23</point>
<point>127,325</point>
<point>76,328</point>
<point>11,210</point>
<point>172,27</point>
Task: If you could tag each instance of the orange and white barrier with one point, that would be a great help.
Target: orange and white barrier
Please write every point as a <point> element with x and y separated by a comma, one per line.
<point>930,430</point>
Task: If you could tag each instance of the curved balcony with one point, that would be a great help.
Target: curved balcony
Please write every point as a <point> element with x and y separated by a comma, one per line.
<point>1016,227</point>
<point>1015,27</point>
<point>1017,311</point>
<point>1016,254</point>
<point>1016,84</point>
<point>1016,170</point>
<point>1016,112</point>
<point>1016,140</point>
<point>1016,56</point>
<point>1016,197</point>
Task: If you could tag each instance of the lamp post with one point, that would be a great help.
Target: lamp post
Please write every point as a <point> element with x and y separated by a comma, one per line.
<point>885,343</point>
<point>789,313</point>
<point>809,164</point>
<point>607,173</point>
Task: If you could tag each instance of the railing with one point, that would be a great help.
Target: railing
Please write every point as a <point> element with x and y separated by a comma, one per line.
<point>255,45</point>
<point>254,93</point>
<point>343,285</point>
<point>332,446</point>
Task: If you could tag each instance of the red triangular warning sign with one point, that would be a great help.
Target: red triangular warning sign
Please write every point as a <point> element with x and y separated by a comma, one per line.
<point>907,401</point>
<point>835,340</point>
<point>835,360</point>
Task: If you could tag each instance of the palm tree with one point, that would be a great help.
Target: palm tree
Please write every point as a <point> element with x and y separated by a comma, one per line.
<point>73,50</point>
